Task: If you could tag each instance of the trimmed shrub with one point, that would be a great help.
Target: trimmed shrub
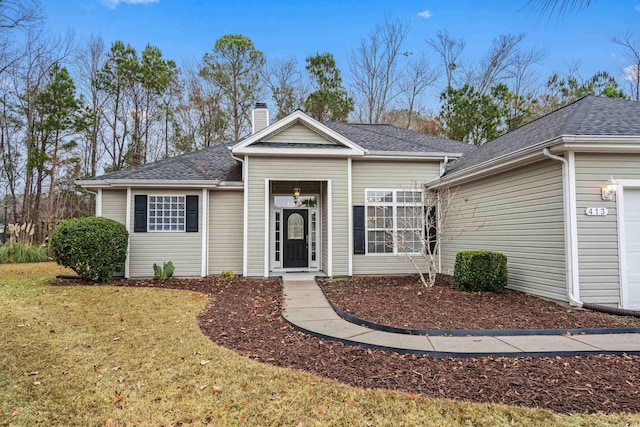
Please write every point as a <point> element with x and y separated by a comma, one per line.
<point>480,271</point>
<point>91,246</point>
<point>227,274</point>
<point>22,252</point>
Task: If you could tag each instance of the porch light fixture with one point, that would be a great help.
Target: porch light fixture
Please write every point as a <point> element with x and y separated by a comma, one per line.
<point>609,191</point>
<point>296,194</point>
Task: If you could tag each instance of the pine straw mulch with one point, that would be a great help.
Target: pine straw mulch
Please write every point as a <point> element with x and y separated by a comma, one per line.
<point>244,315</point>
<point>408,304</point>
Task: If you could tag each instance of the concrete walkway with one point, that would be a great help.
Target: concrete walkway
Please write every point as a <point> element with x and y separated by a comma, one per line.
<point>307,309</point>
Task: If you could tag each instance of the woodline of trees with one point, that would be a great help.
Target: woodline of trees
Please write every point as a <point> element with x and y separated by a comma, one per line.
<point>76,108</point>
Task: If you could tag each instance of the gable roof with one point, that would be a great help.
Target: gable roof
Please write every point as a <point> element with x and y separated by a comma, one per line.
<point>382,137</point>
<point>588,116</point>
<point>209,164</point>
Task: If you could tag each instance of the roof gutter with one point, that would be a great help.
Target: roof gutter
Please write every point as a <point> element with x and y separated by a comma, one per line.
<point>167,183</point>
<point>570,231</point>
<point>410,154</point>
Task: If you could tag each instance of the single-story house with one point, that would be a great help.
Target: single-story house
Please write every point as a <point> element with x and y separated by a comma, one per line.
<point>559,196</point>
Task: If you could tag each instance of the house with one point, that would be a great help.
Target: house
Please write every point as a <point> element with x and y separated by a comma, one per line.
<point>560,196</point>
<point>291,196</point>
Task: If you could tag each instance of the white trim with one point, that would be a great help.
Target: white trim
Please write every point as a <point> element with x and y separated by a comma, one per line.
<point>297,117</point>
<point>350,216</point>
<point>127,224</point>
<point>297,152</point>
<point>267,184</point>
<point>573,211</point>
<point>622,254</point>
<point>602,148</point>
<point>621,246</point>
<point>329,229</point>
<point>205,231</point>
<point>99,202</point>
<point>412,155</point>
<point>245,227</point>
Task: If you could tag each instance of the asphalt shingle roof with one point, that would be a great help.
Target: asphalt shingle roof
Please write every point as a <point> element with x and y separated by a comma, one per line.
<point>216,163</point>
<point>213,163</point>
<point>591,115</point>
<point>391,138</point>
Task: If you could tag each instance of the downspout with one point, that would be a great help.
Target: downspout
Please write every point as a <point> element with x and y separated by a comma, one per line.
<point>443,168</point>
<point>568,223</point>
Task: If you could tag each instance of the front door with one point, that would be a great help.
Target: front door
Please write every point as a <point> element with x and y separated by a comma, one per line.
<point>296,231</point>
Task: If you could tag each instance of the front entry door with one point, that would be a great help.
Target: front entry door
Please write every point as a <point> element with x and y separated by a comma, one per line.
<point>296,231</point>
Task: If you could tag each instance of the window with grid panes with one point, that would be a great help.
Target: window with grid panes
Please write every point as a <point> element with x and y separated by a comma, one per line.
<point>394,221</point>
<point>166,213</point>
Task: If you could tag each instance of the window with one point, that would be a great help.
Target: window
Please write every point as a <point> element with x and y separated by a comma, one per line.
<point>167,213</point>
<point>394,221</point>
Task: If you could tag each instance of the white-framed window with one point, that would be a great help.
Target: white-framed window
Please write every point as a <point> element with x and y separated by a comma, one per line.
<point>394,221</point>
<point>166,213</point>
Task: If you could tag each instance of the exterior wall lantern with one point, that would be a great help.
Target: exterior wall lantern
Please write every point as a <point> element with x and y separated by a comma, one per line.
<point>296,194</point>
<point>609,191</point>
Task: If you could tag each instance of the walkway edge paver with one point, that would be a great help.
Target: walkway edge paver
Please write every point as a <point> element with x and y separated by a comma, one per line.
<point>328,324</point>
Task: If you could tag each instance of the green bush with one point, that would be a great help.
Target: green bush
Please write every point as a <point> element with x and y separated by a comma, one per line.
<point>164,272</point>
<point>480,271</point>
<point>92,247</point>
<point>228,274</point>
<point>22,252</point>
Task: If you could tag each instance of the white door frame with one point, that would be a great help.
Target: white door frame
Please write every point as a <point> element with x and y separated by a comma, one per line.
<point>622,183</point>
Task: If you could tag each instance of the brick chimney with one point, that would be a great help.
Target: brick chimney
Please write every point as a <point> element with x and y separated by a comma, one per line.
<point>259,117</point>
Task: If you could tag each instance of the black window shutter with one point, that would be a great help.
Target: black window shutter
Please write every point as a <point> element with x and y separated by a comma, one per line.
<point>358,230</point>
<point>140,214</point>
<point>430,227</point>
<point>192,214</point>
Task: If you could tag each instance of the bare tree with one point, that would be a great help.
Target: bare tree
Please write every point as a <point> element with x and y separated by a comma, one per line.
<point>286,84</point>
<point>630,71</point>
<point>373,67</point>
<point>16,15</point>
<point>560,6</point>
<point>494,65</point>
<point>89,61</point>
<point>519,73</point>
<point>435,226</point>
<point>449,51</point>
<point>418,76</point>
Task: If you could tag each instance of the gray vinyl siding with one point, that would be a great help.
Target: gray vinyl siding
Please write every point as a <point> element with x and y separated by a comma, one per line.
<point>299,134</point>
<point>521,214</point>
<point>225,231</point>
<point>114,205</point>
<point>392,175</point>
<point>261,168</point>
<point>182,248</point>
<point>598,235</point>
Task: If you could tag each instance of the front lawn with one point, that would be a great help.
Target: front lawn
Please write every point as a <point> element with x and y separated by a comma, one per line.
<point>103,355</point>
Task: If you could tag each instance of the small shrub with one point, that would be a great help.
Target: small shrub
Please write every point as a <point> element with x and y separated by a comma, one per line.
<point>228,274</point>
<point>480,271</point>
<point>164,272</point>
<point>20,252</point>
<point>93,247</point>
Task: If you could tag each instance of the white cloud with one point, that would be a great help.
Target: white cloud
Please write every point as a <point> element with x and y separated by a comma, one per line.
<point>631,73</point>
<point>112,4</point>
<point>425,14</point>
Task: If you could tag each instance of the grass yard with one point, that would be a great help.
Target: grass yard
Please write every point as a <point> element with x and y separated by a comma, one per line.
<point>99,355</point>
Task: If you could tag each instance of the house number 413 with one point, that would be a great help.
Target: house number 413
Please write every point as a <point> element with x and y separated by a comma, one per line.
<point>596,211</point>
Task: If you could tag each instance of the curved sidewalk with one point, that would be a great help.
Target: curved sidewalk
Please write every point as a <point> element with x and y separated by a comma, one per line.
<point>307,309</point>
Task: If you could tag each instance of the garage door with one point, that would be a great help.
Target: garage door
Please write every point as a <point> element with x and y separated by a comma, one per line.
<point>632,246</point>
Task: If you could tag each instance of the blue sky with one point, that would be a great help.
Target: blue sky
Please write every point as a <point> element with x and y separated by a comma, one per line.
<point>186,29</point>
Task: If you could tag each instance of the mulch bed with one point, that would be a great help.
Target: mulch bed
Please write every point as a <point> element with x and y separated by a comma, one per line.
<point>244,315</point>
<point>408,304</point>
